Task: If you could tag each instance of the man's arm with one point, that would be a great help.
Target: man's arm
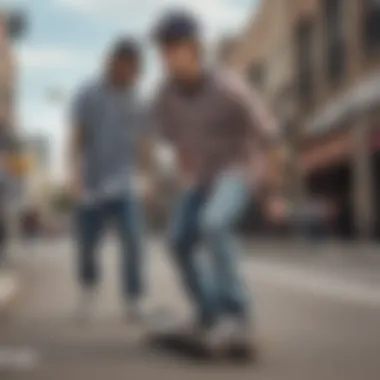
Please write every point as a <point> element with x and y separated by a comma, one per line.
<point>150,125</point>
<point>263,130</point>
<point>163,139</point>
<point>261,121</point>
<point>266,129</point>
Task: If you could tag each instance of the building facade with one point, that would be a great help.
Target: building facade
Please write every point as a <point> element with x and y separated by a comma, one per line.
<point>38,182</point>
<point>11,27</point>
<point>7,80</point>
<point>317,63</point>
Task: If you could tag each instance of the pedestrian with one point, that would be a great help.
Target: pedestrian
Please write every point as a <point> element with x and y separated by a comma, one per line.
<point>221,131</point>
<point>107,132</point>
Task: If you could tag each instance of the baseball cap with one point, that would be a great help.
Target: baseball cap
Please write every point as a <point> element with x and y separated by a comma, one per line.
<point>175,26</point>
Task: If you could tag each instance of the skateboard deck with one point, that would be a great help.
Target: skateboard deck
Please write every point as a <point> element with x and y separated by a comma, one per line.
<point>193,348</point>
<point>164,335</point>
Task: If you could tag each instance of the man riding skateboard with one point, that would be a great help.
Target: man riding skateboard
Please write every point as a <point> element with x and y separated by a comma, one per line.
<point>221,133</point>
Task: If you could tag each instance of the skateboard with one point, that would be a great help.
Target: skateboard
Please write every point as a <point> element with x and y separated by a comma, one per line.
<point>193,348</point>
<point>165,335</point>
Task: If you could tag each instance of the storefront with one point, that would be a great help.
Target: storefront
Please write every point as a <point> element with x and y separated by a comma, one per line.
<point>326,166</point>
<point>340,159</point>
<point>375,145</point>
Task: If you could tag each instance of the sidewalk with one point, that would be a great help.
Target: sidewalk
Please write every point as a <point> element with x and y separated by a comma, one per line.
<point>350,249</point>
<point>353,261</point>
<point>10,285</point>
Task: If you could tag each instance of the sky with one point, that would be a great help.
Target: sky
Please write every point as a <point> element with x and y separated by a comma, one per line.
<point>67,39</point>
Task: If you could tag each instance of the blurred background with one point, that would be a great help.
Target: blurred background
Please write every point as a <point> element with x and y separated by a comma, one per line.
<point>315,62</point>
<point>317,65</point>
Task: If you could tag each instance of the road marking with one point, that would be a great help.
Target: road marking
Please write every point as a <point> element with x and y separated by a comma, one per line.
<point>307,281</point>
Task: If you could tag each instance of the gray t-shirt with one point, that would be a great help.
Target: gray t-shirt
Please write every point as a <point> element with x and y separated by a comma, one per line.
<point>112,123</point>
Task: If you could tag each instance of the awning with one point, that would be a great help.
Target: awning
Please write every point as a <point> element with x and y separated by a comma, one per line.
<point>331,152</point>
<point>362,97</point>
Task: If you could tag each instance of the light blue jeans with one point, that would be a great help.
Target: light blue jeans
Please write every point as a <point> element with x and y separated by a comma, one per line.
<point>209,215</point>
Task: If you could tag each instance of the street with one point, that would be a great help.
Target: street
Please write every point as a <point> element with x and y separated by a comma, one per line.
<point>318,317</point>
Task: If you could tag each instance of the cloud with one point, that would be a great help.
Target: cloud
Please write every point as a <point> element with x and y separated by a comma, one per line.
<point>137,16</point>
<point>50,58</point>
<point>12,3</point>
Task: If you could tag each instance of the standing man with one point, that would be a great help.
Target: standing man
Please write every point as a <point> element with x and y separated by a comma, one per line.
<point>221,132</point>
<point>107,121</point>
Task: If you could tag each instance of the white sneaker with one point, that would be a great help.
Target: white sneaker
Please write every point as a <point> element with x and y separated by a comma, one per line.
<point>241,331</point>
<point>216,339</point>
<point>242,342</point>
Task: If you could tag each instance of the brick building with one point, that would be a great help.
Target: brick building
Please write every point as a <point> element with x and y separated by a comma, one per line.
<point>317,63</point>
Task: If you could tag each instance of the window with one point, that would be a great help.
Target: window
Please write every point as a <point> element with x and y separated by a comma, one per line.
<point>304,52</point>
<point>335,40</point>
<point>371,24</point>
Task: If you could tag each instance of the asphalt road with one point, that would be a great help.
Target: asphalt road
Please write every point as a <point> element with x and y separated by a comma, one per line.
<point>317,317</point>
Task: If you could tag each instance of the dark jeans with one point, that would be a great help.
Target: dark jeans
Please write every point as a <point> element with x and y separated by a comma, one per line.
<point>91,222</point>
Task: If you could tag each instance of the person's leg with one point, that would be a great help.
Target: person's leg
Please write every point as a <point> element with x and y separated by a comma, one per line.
<point>183,241</point>
<point>225,206</point>
<point>128,217</point>
<point>89,227</point>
